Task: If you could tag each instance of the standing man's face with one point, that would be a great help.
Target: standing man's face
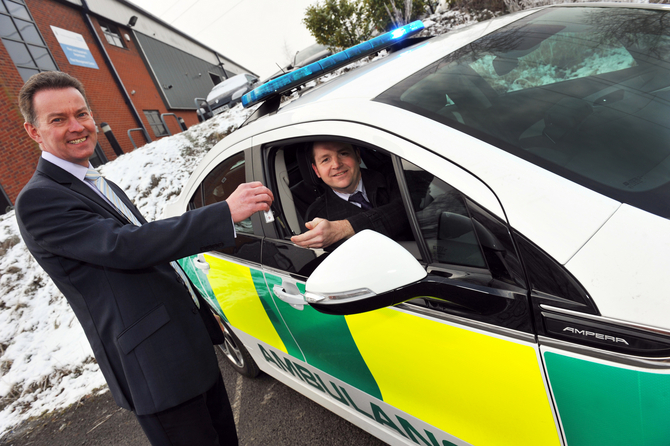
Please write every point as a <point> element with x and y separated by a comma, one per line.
<point>338,165</point>
<point>65,125</point>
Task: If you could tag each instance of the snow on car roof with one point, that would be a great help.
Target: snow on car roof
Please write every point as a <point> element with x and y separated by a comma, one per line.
<point>229,85</point>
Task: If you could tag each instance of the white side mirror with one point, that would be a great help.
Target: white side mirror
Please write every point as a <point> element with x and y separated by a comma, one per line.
<point>361,275</point>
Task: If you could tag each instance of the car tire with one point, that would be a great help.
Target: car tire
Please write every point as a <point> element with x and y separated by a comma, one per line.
<point>237,355</point>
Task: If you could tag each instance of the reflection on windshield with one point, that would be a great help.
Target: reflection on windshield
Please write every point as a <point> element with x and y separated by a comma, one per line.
<point>583,92</point>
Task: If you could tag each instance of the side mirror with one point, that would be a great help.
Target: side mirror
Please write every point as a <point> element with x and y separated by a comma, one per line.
<point>365,273</point>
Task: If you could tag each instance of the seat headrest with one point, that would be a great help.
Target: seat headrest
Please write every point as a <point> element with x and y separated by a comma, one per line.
<point>304,158</point>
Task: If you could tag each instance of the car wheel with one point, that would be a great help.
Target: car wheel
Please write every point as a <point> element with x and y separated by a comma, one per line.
<point>237,355</point>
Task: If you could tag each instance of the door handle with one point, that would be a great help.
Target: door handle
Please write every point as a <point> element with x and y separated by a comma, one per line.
<point>294,299</point>
<point>200,263</point>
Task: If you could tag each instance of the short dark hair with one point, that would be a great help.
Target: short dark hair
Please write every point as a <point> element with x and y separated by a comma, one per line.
<point>48,80</point>
<point>311,150</point>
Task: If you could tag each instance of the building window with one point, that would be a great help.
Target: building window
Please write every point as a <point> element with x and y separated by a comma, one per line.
<point>112,34</point>
<point>215,78</point>
<point>155,122</point>
<point>22,39</point>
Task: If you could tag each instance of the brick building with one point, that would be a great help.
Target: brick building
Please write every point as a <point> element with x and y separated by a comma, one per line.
<point>140,74</point>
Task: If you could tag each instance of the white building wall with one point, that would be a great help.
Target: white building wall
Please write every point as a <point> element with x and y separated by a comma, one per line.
<point>121,13</point>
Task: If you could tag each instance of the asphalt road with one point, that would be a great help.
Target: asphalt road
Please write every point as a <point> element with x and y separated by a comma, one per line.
<point>267,412</point>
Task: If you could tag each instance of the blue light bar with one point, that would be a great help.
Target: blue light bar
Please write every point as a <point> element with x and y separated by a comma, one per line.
<point>312,71</point>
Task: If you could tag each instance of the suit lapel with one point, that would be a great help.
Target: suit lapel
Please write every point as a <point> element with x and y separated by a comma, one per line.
<point>68,180</point>
<point>129,204</point>
<point>372,185</point>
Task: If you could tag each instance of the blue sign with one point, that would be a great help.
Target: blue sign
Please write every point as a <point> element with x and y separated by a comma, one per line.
<point>75,48</point>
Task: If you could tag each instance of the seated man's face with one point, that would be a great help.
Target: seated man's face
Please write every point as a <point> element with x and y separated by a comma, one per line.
<point>338,165</point>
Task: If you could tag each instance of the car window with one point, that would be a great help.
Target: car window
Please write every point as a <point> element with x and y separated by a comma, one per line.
<point>458,232</point>
<point>302,196</point>
<point>443,219</point>
<point>297,189</point>
<point>219,184</point>
<point>582,92</point>
<point>468,252</point>
<point>550,282</point>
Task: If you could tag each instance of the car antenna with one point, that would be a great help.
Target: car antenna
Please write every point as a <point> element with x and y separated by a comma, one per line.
<point>280,68</point>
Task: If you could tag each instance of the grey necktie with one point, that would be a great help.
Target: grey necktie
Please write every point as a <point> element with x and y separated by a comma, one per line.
<point>107,191</point>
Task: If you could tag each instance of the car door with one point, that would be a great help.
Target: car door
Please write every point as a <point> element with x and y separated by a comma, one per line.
<point>457,363</point>
<point>231,280</point>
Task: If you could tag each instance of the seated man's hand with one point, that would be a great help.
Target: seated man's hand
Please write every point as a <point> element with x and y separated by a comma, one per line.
<point>248,199</point>
<point>323,233</point>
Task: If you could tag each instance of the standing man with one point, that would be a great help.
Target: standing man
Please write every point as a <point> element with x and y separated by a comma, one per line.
<point>150,332</point>
<point>355,199</point>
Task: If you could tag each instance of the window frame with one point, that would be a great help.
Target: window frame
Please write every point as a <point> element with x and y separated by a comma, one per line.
<point>214,77</point>
<point>149,114</point>
<point>112,33</point>
<point>22,68</point>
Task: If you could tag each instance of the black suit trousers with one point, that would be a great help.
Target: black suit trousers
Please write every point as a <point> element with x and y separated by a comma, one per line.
<point>206,420</point>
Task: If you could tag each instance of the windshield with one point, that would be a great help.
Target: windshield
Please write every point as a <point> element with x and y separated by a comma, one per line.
<point>583,92</point>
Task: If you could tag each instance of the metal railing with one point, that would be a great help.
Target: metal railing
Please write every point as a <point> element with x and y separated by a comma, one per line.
<point>146,135</point>
<point>165,123</point>
<point>199,104</point>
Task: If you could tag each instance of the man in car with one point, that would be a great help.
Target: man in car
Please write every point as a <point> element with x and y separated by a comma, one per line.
<point>355,199</point>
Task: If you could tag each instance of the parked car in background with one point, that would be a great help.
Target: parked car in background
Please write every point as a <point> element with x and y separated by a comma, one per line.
<point>227,93</point>
<point>311,54</point>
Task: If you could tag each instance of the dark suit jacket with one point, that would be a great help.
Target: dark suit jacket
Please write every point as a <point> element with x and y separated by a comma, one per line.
<point>387,217</point>
<point>152,344</point>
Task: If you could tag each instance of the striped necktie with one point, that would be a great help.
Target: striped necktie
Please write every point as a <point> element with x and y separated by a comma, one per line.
<point>107,191</point>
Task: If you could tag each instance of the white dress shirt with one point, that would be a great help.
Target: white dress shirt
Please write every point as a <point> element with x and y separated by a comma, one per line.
<point>76,170</point>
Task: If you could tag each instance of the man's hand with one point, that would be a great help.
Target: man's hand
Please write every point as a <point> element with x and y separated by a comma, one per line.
<point>323,233</point>
<point>248,199</point>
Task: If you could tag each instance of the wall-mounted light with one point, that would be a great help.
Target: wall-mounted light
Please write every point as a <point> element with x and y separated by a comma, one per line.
<point>132,21</point>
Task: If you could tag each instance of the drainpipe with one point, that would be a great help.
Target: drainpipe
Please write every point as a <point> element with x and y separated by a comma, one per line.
<point>111,67</point>
<point>221,65</point>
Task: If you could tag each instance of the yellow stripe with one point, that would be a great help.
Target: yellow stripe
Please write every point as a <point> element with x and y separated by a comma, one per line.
<point>481,389</point>
<point>235,291</point>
